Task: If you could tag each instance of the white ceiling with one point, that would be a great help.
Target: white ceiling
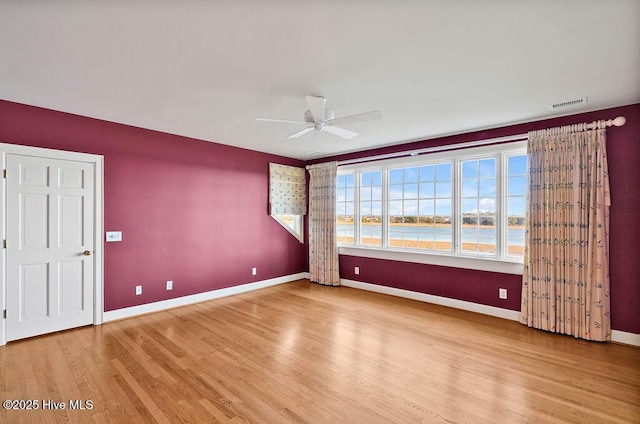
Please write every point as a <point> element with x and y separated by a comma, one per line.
<point>207,69</point>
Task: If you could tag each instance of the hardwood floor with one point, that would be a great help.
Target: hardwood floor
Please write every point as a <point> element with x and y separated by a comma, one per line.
<point>300,352</point>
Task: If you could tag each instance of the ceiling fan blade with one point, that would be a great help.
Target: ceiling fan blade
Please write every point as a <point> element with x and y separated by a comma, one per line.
<point>280,120</point>
<point>301,132</point>
<point>317,107</point>
<point>359,117</point>
<point>339,131</point>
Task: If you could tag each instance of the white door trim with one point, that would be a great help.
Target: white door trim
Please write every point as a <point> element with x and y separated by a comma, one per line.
<point>97,161</point>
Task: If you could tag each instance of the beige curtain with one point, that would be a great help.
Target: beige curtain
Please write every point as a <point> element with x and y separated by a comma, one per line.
<point>323,248</point>
<point>565,286</point>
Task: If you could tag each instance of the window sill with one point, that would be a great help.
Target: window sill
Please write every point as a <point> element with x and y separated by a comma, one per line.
<point>484,264</point>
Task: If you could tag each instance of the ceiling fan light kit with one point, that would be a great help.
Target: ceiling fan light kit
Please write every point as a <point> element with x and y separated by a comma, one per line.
<point>319,118</point>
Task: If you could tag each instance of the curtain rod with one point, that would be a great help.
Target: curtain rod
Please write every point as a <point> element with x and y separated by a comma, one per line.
<point>618,122</point>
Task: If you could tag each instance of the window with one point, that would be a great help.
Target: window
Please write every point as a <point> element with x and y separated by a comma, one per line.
<point>420,207</point>
<point>287,197</point>
<point>465,203</point>
<point>344,208</point>
<point>370,207</point>
<point>478,206</point>
<point>516,200</point>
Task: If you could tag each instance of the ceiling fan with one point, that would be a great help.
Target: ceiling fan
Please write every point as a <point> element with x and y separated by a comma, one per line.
<point>319,118</point>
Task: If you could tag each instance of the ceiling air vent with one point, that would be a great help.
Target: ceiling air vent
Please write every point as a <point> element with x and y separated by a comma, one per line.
<point>569,103</point>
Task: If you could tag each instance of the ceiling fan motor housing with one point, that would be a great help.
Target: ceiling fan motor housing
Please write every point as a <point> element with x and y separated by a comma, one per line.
<point>328,115</point>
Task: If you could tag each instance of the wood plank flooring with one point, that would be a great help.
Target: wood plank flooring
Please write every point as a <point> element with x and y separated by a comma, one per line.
<point>303,353</point>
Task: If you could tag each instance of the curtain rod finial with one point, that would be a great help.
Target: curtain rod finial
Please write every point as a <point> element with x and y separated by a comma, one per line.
<point>619,121</point>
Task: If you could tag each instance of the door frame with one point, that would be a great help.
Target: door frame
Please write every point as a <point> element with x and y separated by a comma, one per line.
<point>98,284</point>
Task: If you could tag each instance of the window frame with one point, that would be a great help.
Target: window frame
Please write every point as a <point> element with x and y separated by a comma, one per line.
<point>501,261</point>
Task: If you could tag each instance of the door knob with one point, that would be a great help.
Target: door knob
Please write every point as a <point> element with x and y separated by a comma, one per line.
<point>87,253</point>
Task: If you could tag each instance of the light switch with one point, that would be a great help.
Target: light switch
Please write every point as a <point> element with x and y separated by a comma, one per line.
<point>114,236</point>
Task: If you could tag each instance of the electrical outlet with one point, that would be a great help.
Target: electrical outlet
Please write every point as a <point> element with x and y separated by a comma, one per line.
<point>254,271</point>
<point>169,285</point>
<point>502,293</point>
<point>356,270</point>
<point>138,290</point>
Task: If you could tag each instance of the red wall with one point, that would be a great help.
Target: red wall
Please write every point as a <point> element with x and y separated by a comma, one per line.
<point>481,287</point>
<point>191,211</point>
<point>181,204</point>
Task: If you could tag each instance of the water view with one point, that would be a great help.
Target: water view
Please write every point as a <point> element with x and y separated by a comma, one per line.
<point>436,237</point>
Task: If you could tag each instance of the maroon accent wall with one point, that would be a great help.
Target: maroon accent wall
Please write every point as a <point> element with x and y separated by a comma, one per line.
<point>481,287</point>
<point>191,211</point>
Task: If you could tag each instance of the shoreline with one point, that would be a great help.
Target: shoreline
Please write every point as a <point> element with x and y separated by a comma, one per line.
<point>511,227</point>
<point>433,245</point>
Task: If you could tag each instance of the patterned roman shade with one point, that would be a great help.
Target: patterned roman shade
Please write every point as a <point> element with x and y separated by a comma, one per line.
<point>287,189</point>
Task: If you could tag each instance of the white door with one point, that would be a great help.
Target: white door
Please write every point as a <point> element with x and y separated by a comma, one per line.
<point>50,245</point>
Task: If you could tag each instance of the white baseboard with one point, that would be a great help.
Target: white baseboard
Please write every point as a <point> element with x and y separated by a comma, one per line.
<point>625,338</point>
<point>616,335</point>
<point>200,297</point>
<point>438,300</point>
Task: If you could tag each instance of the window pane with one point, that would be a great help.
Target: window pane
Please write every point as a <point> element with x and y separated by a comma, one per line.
<point>427,173</point>
<point>425,208</point>
<point>365,193</point>
<point>412,222</point>
<point>516,209</point>
<point>487,205</point>
<point>470,169</point>
<point>410,175</point>
<point>443,189</point>
<point>371,208</point>
<point>517,186</point>
<point>487,187</point>
<point>478,210</point>
<point>515,225</point>
<point>376,193</point>
<point>443,208</point>
<point>410,209</point>
<point>349,195</point>
<point>517,165</point>
<point>470,188</point>
<point>515,240</point>
<point>376,179</point>
<point>443,172</point>
<point>365,179</point>
<point>395,207</point>
<point>426,190</point>
<point>345,225</point>
<point>479,240</point>
<point>349,210</point>
<point>348,180</point>
<point>469,206</point>
<point>370,235</point>
<point>395,191</point>
<point>487,168</point>
<point>376,209</point>
<point>395,176</point>
<point>516,204</point>
<point>411,191</point>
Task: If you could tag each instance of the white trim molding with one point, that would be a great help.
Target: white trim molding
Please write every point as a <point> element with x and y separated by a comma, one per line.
<point>492,265</point>
<point>98,230</point>
<point>617,336</point>
<point>437,300</point>
<point>199,297</point>
<point>625,337</point>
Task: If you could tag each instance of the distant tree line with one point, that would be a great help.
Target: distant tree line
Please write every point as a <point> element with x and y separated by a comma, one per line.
<point>467,219</point>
